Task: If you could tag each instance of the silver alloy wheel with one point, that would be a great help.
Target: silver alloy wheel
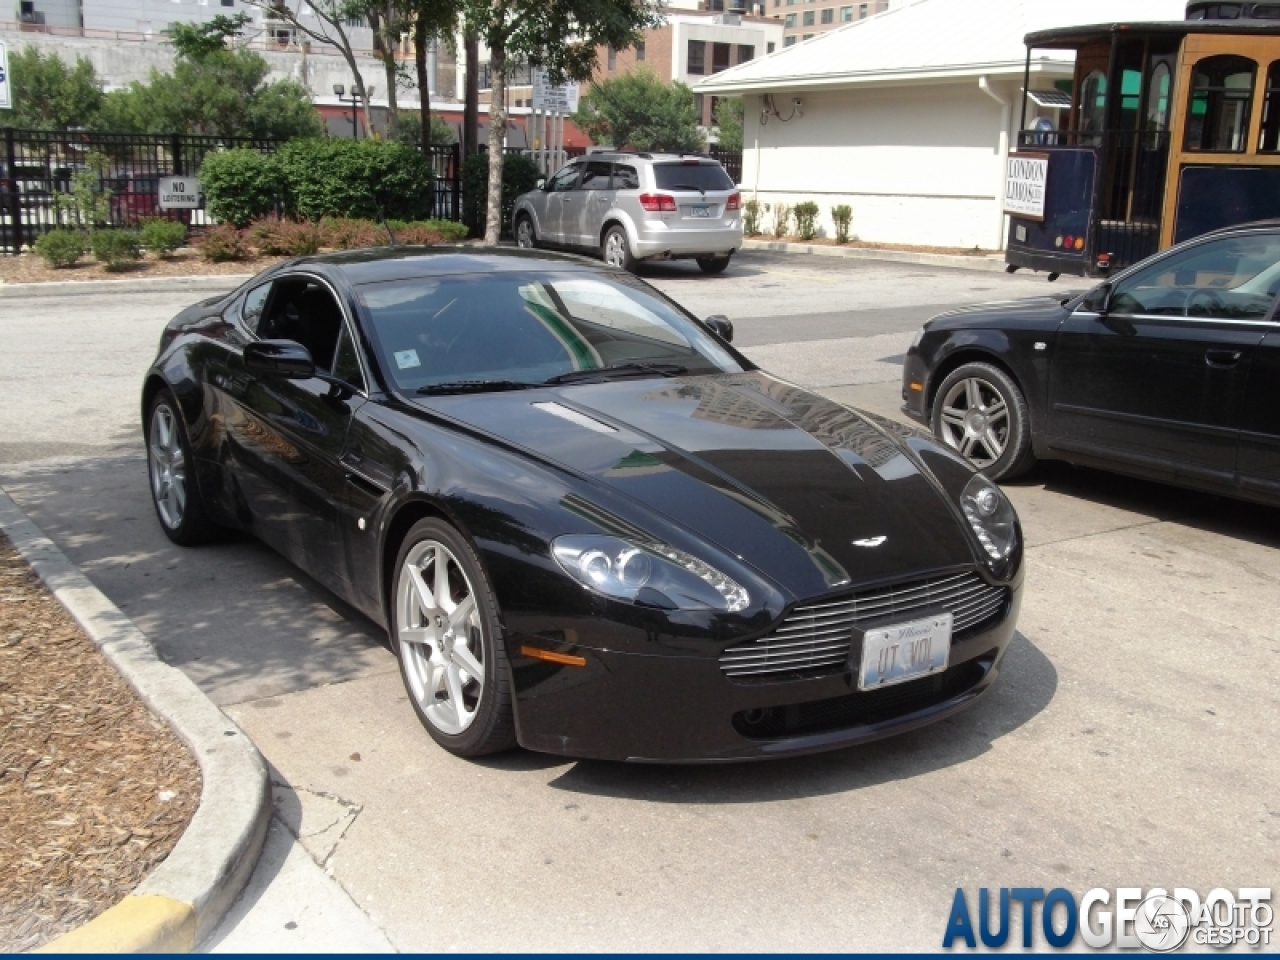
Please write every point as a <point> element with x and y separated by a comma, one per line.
<point>168,466</point>
<point>615,251</point>
<point>524,233</point>
<point>975,421</point>
<point>441,637</point>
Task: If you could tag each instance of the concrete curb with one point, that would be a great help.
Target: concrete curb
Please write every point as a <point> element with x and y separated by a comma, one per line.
<point>183,898</point>
<point>216,283</point>
<point>986,264</point>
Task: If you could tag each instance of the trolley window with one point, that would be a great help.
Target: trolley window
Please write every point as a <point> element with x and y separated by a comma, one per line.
<point>1221,95</point>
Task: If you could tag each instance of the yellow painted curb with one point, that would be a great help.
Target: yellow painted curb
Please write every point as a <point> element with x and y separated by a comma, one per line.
<point>137,924</point>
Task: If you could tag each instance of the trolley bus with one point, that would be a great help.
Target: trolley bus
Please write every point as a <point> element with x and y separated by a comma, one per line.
<point>1168,131</point>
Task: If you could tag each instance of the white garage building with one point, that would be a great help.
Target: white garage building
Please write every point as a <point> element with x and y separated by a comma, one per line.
<point>907,116</point>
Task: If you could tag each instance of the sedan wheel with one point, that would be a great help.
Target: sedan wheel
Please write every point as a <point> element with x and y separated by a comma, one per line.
<point>981,413</point>
<point>173,492</point>
<point>446,634</point>
<point>525,237</point>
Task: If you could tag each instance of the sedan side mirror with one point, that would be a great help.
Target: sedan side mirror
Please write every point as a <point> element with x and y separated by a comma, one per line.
<point>720,326</point>
<point>281,358</point>
<point>1098,300</point>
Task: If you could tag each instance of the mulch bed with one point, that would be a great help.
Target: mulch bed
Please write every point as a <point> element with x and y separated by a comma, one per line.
<point>94,790</point>
<point>187,262</point>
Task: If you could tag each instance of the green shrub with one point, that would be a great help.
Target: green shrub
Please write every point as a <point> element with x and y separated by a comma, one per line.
<point>116,249</point>
<point>343,233</point>
<point>806,215</point>
<point>354,178</point>
<point>842,216</point>
<point>60,248</point>
<point>519,175</point>
<point>162,236</point>
<point>276,237</point>
<point>418,235</point>
<point>751,218</point>
<point>450,230</point>
<point>781,219</point>
<point>222,243</point>
<point>240,185</point>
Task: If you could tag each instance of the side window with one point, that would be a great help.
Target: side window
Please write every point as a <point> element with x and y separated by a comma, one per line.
<point>1221,94</point>
<point>1235,278</point>
<point>565,179</point>
<point>346,365</point>
<point>625,177</point>
<point>596,176</point>
<point>303,310</point>
<point>1270,142</point>
<point>251,308</point>
<point>1093,102</point>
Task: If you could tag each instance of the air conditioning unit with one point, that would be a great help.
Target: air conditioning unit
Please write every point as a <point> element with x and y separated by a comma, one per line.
<point>727,19</point>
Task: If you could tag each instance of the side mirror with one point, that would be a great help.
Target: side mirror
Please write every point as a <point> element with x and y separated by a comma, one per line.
<point>281,358</point>
<point>720,326</point>
<point>542,183</point>
<point>1098,299</point>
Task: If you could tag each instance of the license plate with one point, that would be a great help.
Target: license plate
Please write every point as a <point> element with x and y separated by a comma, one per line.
<point>904,651</point>
<point>1020,233</point>
<point>699,211</point>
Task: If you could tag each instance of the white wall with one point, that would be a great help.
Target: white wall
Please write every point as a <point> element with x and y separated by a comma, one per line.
<point>918,164</point>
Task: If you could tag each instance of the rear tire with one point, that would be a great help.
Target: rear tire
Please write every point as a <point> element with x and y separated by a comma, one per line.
<point>171,475</point>
<point>526,236</point>
<point>981,413</point>
<point>616,250</point>
<point>444,628</point>
<point>713,264</point>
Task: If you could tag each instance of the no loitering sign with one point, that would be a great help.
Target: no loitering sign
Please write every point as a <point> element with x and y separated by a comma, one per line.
<point>179,193</point>
<point>1024,185</point>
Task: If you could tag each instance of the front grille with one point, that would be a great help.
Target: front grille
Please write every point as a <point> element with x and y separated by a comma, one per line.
<point>815,638</point>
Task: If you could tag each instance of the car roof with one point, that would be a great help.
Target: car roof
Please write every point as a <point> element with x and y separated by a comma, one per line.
<point>647,155</point>
<point>380,264</point>
<point>1272,224</point>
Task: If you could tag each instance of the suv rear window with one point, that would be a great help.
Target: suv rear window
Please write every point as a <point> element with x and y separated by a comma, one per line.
<point>691,176</point>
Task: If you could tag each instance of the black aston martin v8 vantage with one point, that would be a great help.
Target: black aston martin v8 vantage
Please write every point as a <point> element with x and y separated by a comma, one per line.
<point>589,525</point>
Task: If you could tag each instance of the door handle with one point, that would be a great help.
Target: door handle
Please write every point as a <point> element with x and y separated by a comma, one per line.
<point>352,457</point>
<point>1222,358</point>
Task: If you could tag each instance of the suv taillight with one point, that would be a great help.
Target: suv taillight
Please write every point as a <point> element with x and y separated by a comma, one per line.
<point>735,202</point>
<point>658,203</point>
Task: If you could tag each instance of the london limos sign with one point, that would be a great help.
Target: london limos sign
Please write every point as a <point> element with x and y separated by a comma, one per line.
<point>1024,185</point>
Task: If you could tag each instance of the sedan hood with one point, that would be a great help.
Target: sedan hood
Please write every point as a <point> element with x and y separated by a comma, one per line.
<point>811,494</point>
<point>1048,309</point>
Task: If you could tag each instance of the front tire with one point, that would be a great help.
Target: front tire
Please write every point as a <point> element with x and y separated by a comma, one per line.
<point>174,492</point>
<point>444,627</point>
<point>526,236</point>
<point>616,250</point>
<point>713,264</point>
<point>981,413</point>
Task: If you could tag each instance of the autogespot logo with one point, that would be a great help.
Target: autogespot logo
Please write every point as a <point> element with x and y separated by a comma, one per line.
<point>1129,917</point>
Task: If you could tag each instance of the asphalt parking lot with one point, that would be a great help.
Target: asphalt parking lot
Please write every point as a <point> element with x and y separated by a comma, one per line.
<point>1128,742</point>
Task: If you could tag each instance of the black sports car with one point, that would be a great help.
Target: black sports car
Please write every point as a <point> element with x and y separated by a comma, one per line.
<point>1170,370</point>
<point>588,524</point>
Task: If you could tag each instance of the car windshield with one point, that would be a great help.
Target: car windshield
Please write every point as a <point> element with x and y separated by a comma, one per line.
<point>691,176</point>
<point>515,329</point>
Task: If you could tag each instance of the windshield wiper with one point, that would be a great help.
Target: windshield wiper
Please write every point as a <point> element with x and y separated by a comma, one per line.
<point>661,369</point>
<point>476,386</point>
<point>689,186</point>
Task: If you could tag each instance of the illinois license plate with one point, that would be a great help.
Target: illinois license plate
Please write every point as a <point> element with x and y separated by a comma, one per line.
<point>904,651</point>
<point>699,211</point>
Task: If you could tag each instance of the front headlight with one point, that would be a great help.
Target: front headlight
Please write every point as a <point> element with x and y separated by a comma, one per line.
<point>647,573</point>
<point>991,516</point>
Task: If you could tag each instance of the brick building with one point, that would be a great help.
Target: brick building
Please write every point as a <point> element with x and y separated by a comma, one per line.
<point>802,19</point>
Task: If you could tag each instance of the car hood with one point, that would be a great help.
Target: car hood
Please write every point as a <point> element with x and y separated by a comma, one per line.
<point>1032,310</point>
<point>809,493</point>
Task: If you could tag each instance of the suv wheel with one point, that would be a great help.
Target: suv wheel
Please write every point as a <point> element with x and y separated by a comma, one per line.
<point>713,264</point>
<point>616,250</point>
<point>526,238</point>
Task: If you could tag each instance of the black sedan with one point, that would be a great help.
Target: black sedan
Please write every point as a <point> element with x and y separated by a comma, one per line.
<point>1170,371</point>
<point>589,525</point>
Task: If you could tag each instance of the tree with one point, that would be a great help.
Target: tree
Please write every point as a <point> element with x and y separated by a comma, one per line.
<point>639,110</point>
<point>560,36</point>
<point>50,95</point>
<point>432,19</point>
<point>441,134</point>
<point>196,41</point>
<point>729,122</point>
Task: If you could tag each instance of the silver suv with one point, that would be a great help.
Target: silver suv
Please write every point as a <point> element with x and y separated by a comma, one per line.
<point>636,206</point>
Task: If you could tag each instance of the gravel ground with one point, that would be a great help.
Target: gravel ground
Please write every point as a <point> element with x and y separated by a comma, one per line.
<point>29,268</point>
<point>95,790</point>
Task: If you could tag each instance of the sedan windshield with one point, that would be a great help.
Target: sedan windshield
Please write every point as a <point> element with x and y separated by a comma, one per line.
<point>510,330</point>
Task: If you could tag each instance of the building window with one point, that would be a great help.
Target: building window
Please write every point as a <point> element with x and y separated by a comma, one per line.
<point>789,41</point>
<point>1221,95</point>
<point>720,56</point>
<point>807,36</point>
<point>697,56</point>
<point>640,52</point>
<point>790,21</point>
<point>846,14</point>
<point>698,100</point>
<point>828,14</point>
<point>746,52</point>
<point>791,3</point>
<point>613,58</point>
<point>808,18</point>
<point>862,11</point>
<point>228,3</point>
<point>769,47</point>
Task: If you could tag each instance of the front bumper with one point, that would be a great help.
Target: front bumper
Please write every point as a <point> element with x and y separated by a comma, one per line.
<point>660,239</point>
<point>683,709</point>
